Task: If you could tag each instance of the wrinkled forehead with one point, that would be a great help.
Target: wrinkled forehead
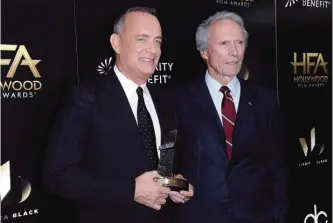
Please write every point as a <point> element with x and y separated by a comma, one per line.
<point>225,29</point>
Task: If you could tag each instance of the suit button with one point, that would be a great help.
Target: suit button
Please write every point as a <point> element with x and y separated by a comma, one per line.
<point>230,209</point>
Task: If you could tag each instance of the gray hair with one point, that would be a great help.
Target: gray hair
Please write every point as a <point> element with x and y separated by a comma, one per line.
<point>201,35</point>
<point>119,23</point>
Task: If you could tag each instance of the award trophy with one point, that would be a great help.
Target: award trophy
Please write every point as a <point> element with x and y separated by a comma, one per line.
<point>165,165</point>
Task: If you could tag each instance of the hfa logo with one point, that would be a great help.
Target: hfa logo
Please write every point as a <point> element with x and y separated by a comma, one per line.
<point>304,144</point>
<point>6,184</point>
<point>310,70</point>
<point>309,62</point>
<point>21,53</point>
<point>13,87</point>
<point>315,216</point>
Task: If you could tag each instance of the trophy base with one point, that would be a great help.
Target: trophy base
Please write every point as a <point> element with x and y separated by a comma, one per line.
<point>175,184</point>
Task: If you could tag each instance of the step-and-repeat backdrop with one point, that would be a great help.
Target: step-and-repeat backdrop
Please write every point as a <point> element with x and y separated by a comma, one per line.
<point>49,46</point>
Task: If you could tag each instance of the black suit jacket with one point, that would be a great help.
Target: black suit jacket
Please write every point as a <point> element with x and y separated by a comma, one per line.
<point>252,186</point>
<point>95,152</point>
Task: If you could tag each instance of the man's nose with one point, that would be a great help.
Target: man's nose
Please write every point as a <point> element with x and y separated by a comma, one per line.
<point>233,51</point>
<point>153,47</point>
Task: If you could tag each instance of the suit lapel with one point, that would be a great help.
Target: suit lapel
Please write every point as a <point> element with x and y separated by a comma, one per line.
<point>116,91</point>
<point>244,118</point>
<point>205,104</point>
<point>122,118</point>
<point>245,114</point>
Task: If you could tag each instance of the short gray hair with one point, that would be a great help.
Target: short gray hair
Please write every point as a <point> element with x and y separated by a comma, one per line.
<point>201,35</point>
<point>119,23</point>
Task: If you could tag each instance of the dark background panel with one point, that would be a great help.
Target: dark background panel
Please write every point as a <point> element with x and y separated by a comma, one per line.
<point>46,29</point>
<point>306,30</point>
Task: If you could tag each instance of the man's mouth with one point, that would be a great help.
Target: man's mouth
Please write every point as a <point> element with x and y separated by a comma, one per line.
<point>147,59</point>
<point>232,62</point>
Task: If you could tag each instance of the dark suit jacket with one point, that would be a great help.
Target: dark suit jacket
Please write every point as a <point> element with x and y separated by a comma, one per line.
<point>95,152</point>
<point>251,187</point>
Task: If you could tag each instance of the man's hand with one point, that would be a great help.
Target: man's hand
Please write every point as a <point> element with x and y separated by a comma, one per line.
<point>182,196</point>
<point>150,193</point>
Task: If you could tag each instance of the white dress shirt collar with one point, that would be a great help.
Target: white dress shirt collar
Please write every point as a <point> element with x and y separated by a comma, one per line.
<point>214,86</point>
<point>128,85</point>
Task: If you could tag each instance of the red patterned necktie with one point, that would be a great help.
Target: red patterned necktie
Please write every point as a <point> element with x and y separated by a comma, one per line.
<point>228,117</point>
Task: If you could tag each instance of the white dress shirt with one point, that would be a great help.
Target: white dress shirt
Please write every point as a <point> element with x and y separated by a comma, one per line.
<point>130,90</point>
<point>217,96</point>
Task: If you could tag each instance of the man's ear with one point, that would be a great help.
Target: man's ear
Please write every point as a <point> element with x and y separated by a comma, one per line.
<point>115,42</point>
<point>204,54</point>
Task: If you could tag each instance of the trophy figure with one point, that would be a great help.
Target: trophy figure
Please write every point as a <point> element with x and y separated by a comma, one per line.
<point>165,166</point>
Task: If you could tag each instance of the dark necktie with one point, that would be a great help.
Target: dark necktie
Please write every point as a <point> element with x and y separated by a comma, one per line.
<point>146,129</point>
<point>228,117</point>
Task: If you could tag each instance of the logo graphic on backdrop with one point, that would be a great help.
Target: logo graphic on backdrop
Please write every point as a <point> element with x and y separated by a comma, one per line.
<point>104,66</point>
<point>308,145</point>
<point>314,218</point>
<point>290,3</point>
<point>4,180</point>
<point>19,81</point>
<point>309,3</point>
<point>9,191</point>
<point>161,76</point>
<point>6,184</point>
<point>304,144</point>
<point>241,3</point>
<point>310,70</point>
